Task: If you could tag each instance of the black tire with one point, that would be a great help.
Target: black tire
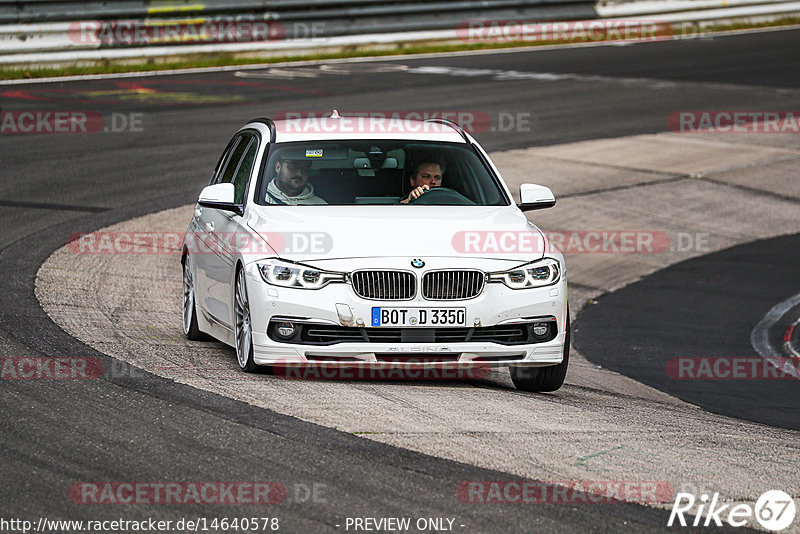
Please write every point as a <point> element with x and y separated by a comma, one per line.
<point>190,328</point>
<point>539,379</point>
<point>242,331</point>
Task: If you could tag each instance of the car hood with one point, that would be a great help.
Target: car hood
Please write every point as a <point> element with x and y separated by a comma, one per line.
<point>303,233</point>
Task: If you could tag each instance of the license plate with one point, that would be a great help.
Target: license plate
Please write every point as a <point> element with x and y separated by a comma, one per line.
<point>419,316</point>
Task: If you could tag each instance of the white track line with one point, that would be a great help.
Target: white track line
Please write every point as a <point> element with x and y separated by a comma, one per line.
<point>787,344</point>
<point>759,337</point>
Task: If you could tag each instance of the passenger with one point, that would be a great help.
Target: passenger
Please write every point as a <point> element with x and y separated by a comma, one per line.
<point>426,175</point>
<point>290,185</point>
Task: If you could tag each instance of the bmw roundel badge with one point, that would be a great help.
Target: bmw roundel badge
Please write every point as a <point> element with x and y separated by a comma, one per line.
<point>418,263</point>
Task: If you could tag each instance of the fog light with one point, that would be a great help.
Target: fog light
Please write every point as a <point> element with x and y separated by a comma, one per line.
<point>285,330</point>
<point>540,329</point>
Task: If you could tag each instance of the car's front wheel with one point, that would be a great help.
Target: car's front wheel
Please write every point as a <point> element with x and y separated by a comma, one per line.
<point>190,328</point>
<point>243,331</point>
<point>539,379</point>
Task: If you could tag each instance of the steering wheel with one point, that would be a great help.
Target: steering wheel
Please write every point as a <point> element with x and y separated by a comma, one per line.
<point>442,196</point>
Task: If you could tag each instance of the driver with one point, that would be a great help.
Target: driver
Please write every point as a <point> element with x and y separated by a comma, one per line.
<point>426,175</point>
<point>290,185</point>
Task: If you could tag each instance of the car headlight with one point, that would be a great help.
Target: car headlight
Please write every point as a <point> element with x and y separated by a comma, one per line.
<point>545,272</point>
<point>286,274</point>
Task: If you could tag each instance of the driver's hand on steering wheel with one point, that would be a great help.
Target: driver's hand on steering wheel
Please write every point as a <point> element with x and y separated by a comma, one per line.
<point>415,193</point>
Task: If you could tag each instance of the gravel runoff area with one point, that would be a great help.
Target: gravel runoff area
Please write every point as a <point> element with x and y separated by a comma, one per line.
<point>724,189</point>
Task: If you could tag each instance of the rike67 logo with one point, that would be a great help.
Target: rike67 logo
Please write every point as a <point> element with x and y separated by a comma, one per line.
<point>774,510</point>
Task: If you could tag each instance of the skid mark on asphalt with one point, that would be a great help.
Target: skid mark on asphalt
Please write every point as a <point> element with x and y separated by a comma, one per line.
<point>671,179</point>
<point>755,190</point>
<point>50,206</point>
<point>160,92</point>
<point>581,461</point>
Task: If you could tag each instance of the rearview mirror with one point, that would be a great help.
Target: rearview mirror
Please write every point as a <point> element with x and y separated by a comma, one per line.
<point>535,197</point>
<point>219,196</point>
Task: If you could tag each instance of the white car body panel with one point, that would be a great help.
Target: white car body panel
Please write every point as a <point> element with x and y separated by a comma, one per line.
<point>370,231</point>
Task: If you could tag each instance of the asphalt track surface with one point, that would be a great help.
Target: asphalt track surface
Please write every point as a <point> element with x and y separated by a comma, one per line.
<point>56,433</point>
<point>702,308</point>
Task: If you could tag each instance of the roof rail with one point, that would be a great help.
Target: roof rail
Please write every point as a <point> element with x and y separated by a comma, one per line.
<point>270,125</point>
<point>451,124</point>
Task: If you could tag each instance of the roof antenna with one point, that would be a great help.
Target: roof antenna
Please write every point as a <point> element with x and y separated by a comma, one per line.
<point>335,114</point>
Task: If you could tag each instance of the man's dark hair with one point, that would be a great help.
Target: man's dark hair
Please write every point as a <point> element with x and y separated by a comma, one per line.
<point>425,159</point>
<point>286,159</point>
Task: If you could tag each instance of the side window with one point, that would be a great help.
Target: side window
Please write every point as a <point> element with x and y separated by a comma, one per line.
<point>242,176</point>
<point>233,161</point>
<point>226,156</point>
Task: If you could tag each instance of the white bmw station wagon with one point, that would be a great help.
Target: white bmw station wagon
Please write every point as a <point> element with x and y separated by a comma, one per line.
<point>370,242</point>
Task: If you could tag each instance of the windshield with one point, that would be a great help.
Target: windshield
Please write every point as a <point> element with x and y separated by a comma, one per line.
<point>377,172</point>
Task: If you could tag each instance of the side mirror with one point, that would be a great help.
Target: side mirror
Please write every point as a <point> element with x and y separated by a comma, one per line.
<point>219,196</point>
<point>535,197</point>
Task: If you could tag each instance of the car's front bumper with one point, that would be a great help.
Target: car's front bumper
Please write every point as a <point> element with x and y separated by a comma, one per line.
<point>496,305</point>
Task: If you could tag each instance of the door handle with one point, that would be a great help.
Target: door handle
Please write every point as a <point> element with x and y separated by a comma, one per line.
<point>210,226</point>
